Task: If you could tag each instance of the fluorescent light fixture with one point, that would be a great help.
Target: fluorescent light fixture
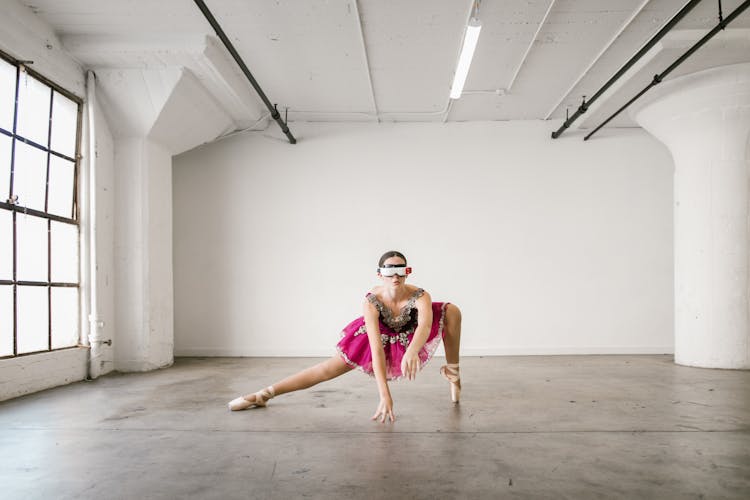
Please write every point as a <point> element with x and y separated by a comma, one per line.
<point>467,53</point>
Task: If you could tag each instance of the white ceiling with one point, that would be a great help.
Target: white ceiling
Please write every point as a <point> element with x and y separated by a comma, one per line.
<point>393,60</point>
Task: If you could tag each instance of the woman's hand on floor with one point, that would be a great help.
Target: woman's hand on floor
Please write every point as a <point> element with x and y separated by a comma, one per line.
<point>385,410</point>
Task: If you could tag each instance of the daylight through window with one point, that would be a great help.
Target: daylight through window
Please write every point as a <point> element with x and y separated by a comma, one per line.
<point>39,263</point>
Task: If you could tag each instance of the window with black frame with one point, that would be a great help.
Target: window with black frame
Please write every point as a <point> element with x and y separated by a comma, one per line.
<point>39,263</point>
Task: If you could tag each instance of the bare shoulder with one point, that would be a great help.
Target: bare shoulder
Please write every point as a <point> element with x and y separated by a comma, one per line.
<point>374,291</point>
<point>424,296</point>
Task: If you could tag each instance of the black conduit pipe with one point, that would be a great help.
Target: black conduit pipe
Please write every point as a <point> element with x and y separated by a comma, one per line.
<point>653,41</point>
<point>220,33</point>
<point>658,78</point>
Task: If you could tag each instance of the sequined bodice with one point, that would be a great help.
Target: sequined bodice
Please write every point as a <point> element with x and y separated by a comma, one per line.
<point>406,319</point>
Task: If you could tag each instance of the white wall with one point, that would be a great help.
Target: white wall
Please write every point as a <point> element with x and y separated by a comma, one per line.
<point>28,374</point>
<point>547,246</point>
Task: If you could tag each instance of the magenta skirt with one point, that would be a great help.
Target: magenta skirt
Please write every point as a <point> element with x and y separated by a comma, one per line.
<point>354,346</point>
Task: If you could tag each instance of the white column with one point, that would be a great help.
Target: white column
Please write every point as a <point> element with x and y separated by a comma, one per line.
<point>704,120</point>
<point>143,255</point>
<point>154,114</point>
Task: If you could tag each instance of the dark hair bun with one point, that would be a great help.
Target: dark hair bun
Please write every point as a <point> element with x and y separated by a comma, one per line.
<point>390,253</point>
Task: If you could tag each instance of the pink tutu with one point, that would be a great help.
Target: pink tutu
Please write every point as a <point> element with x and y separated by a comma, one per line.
<point>354,346</point>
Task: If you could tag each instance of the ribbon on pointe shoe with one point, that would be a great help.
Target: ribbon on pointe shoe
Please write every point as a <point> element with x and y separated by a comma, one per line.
<point>260,399</point>
<point>450,372</point>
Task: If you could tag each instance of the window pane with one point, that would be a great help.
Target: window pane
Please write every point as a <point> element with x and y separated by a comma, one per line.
<point>33,319</point>
<point>64,317</point>
<point>4,166</point>
<point>61,182</point>
<point>64,125</point>
<point>7,94</point>
<point>31,241</point>
<point>64,253</point>
<point>6,320</point>
<point>6,244</point>
<point>30,176</point>
<point>33,109</point>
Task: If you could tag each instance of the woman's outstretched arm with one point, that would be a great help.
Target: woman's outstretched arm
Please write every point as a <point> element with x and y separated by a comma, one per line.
<point>385,407</point>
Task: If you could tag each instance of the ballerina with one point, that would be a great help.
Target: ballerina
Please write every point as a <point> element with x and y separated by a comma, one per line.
<point>399,331</point>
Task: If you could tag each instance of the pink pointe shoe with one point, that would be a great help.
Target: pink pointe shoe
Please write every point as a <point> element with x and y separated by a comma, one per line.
<point>450,372</point>
<point>261,398</point>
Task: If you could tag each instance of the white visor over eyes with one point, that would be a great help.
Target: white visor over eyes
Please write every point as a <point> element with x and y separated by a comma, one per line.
<point>390,271</point>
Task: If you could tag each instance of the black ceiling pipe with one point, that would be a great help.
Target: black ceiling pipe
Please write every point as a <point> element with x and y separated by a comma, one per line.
<point>658,78</point>
<point>220,33</point>
<point>653,41</point>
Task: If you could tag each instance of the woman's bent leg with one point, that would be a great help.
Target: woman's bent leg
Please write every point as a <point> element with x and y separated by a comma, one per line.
<point>452,333</point>
<point>452,342</point>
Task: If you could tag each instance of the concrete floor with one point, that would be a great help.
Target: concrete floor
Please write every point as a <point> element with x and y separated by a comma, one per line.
<point>528,427</point>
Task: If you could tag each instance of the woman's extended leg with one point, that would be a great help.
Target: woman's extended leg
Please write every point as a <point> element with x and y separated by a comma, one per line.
<point>328,369</point>
<point>452,342</point>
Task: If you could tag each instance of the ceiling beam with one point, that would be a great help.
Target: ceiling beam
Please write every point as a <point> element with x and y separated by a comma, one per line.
<point>230,47</point>
<point>366,59</point>
<point>531,44</point>
<point>606,47</point>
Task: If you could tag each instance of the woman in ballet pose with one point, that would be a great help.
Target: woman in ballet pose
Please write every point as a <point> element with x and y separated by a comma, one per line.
<point>398,333</point>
